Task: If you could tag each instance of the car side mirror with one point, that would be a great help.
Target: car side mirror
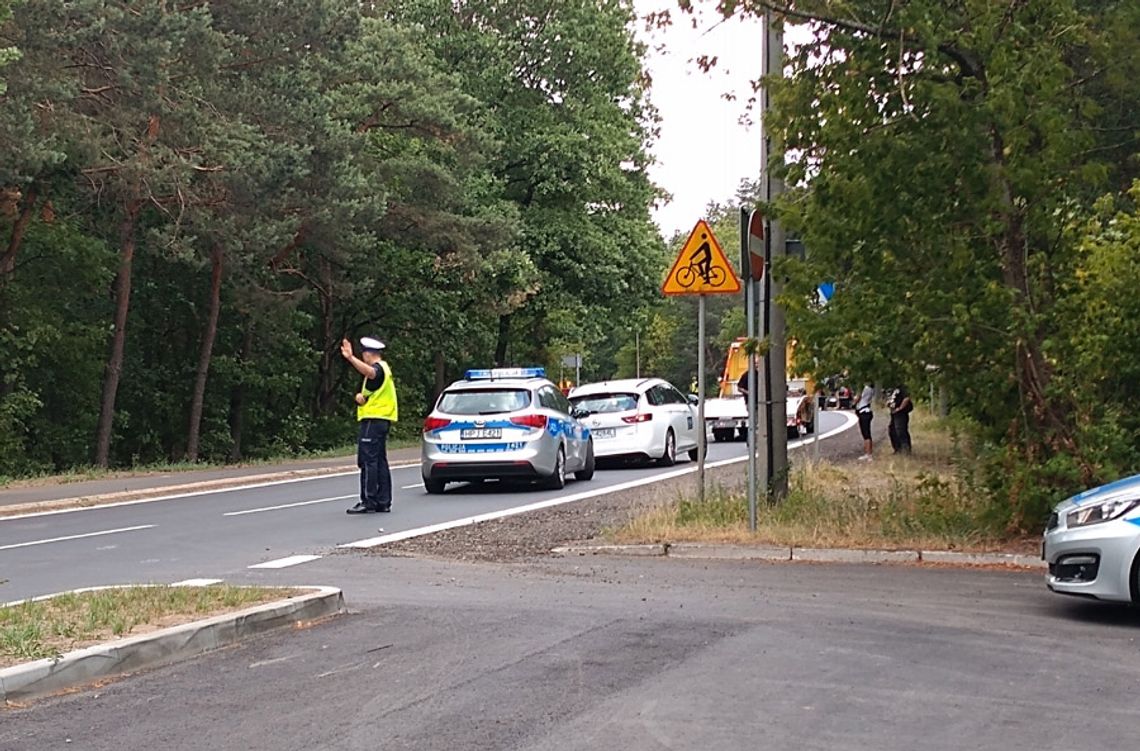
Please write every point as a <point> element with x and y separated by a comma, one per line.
<point>694,399</point>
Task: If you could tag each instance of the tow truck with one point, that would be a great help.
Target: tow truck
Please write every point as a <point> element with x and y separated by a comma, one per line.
<point>726,415</point>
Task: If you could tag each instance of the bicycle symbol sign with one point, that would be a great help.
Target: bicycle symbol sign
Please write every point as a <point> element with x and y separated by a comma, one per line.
<point>701,267</point>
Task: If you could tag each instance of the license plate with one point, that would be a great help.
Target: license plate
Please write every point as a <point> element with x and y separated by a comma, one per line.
<point>474,434</point>
<point>605,433</point>
<point>724,424</point>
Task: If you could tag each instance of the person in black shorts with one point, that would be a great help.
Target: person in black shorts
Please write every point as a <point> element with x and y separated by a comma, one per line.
<point>865,414</point>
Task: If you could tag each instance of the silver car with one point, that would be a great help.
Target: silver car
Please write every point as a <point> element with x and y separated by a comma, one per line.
<point>504,423</point>
<point>1092,543</point>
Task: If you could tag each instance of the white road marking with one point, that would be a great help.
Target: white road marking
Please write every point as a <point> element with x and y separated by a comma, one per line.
<point>196,583</point>
<point>274,661</point>
<point>371,542</point>
<point>292,560</point>
<point>287,505</point>
<point>159,499</point>
<point>409,487</point>
<point>77,537</point>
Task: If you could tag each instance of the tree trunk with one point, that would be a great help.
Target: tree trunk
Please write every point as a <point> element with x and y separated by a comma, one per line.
<point>326,383</point>
<point>19,229</point>
<point>237,399</point>
<point>503,341</point>
<point>114,368</point>
<point>440,374</point>
<point>205,353</point>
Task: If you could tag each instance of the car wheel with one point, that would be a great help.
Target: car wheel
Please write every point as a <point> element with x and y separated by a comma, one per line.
<point>669,458</point>
<point>720,435</point>
<point>587,472</point>
<point>434,486</point>
<point>1134,580</point>
<point>557,479</point>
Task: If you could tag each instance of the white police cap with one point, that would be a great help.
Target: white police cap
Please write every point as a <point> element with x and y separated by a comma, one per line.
<point>369,343</point>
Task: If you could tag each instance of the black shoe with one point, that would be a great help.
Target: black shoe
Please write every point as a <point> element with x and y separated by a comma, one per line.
<point>383,509</point>
<point>360,508</point>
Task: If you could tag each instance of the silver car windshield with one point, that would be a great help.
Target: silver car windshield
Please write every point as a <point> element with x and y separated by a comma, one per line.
<point>602,403</point>
<point>484,401</point>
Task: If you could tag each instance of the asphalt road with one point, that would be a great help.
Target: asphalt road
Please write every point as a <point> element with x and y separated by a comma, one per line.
<point>638,654</point>
<point>215,535</point>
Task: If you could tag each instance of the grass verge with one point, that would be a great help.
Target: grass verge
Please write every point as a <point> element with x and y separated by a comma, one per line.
<point>932,499</point>
<point>32,630</point>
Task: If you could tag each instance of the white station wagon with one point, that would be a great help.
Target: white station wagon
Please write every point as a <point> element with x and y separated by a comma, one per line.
<point>643,418</point>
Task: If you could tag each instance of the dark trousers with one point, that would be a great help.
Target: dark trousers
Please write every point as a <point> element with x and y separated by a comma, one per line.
<point>372,458</point>
<point>899,432</point>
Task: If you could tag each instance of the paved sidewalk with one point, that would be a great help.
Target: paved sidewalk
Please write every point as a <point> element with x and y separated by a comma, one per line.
<point>37,491</point>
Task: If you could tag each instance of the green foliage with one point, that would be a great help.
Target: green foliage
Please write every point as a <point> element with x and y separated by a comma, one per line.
<point>419,172</point>
<point>943,162</point>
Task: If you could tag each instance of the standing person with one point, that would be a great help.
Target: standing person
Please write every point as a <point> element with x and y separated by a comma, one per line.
<point>901,407</point>
<point>376,410</point>
<point>865,415</point>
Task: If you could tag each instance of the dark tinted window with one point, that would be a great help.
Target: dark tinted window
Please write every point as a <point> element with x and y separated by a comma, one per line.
<point>556,400</point>
<point>483,401</point>
<point>656,396</point>
<point>675,396</point>
<point>603,403</point>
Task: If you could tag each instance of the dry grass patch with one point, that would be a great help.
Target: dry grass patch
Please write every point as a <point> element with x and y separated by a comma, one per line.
<point>32,630</point>
<point>931,500</point>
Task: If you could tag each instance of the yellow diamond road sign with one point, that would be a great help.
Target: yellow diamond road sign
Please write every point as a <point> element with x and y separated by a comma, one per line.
<point>701,267</point>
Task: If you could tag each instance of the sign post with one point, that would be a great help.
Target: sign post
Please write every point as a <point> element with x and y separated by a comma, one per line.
<point>700,269</point>
<point>752,259</point>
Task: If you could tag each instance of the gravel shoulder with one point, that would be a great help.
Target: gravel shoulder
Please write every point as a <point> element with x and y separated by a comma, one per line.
<point>534,534</point>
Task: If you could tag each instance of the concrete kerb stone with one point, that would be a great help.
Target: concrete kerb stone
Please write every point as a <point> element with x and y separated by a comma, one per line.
<point>111,659</point>
<point>730,552</point>
<point>1012,560</point>
<point>712,551</point>
<point>834,555</point>
<point>657,549</point>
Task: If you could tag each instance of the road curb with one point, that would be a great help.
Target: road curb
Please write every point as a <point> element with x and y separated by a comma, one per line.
<point>707,551</point>
<point>111,659</point>
<point>174,491</point>
<point>631,550</point>
<point>730,552</point>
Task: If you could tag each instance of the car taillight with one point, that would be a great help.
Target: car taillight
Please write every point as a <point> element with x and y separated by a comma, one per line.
<point>639,417</point>
<point>530,421</point>
<point>435,423</point>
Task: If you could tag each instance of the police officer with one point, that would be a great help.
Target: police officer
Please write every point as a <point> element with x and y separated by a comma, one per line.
<point>375,412</point>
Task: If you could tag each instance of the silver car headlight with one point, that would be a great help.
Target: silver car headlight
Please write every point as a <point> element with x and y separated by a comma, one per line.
<point>1095,513</point>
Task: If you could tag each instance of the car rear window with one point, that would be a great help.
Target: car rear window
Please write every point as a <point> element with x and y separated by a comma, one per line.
<point>602,403</point>
<point>484,401</point>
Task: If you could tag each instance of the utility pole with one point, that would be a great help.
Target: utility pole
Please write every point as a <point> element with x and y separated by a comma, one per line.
<point>776,381</point>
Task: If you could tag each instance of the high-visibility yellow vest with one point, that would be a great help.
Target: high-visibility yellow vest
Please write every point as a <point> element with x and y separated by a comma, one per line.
<point>379,404</point>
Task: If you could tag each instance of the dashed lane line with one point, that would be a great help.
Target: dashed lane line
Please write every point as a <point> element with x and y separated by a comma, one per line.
<point>65,538</point>
<point>293,560</point>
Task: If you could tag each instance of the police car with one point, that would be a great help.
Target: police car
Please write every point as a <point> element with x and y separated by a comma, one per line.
<point>504,423</point>
<point>1092,543</point>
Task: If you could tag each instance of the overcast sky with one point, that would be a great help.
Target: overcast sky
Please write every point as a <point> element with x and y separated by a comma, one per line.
<point>703,152</point>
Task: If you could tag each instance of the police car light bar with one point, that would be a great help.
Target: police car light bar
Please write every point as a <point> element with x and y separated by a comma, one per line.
<point>490,374</point>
